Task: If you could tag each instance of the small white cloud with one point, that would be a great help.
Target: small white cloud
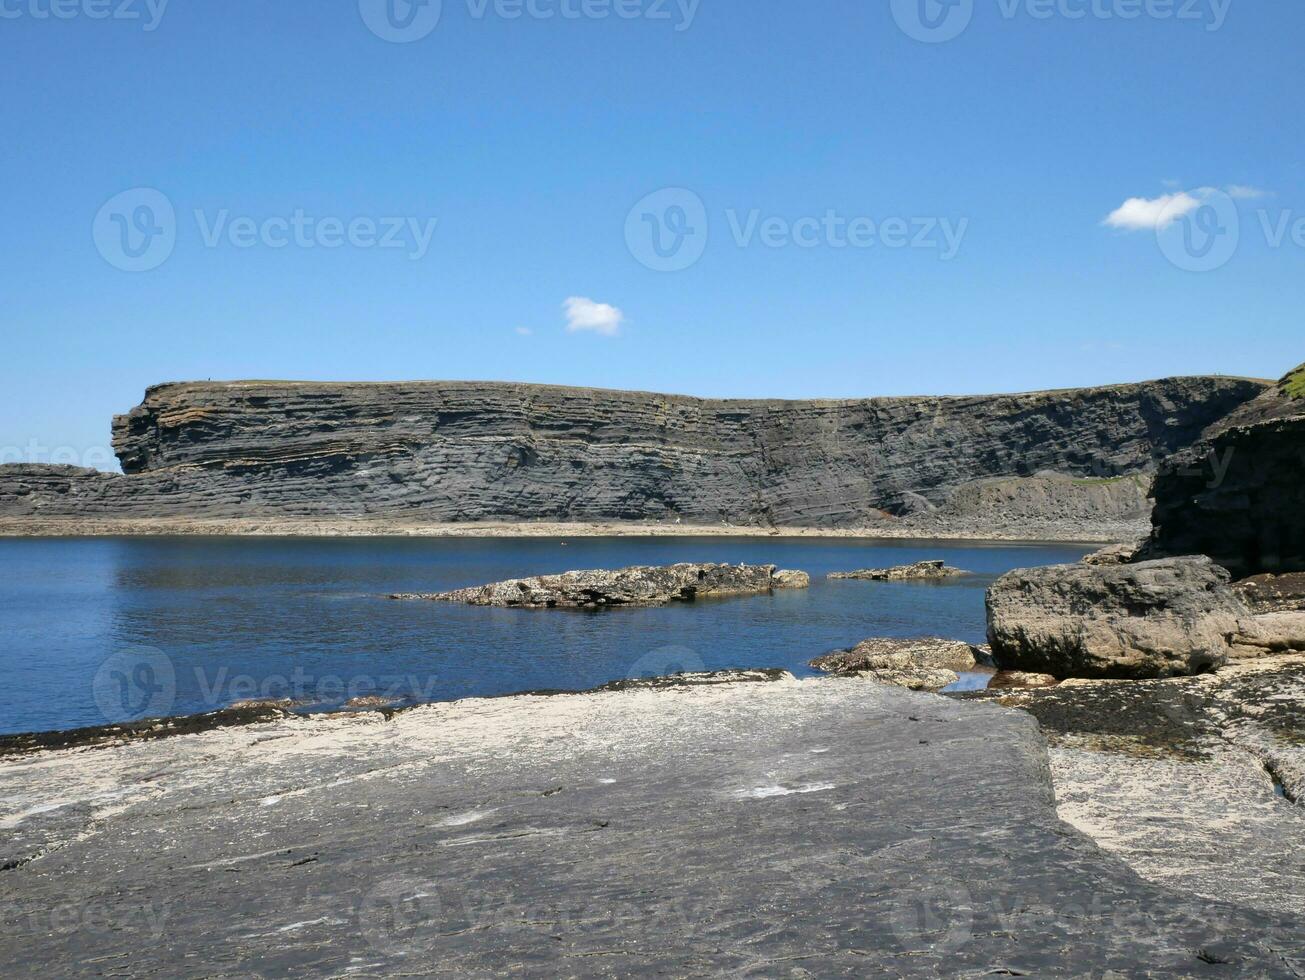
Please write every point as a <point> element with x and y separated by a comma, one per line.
<point>583,313</point>
<point>1157,213</point>
<point>1243,193</point>
<point>1150,213</point>
<point>524,331</point>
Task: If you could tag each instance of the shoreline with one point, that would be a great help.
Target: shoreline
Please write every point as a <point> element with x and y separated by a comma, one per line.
<point>1030,533</point>
<point>15,745</point>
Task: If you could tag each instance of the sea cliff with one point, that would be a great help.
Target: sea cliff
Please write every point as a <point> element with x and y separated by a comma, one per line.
<point>459,452</point>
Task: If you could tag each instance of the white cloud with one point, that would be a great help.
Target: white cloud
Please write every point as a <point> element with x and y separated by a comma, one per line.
<point>1157,213</point>
<point>1243,193</point>
<point>1150,213</point>
<point>524,331</point>
<point>583,313</point>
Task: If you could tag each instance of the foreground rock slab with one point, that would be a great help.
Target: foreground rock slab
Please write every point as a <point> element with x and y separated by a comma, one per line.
<point>824,826</point>
<point>932,570</point>
<point>923,664</point>
<point>1161,618</point>
<point>639,585</point>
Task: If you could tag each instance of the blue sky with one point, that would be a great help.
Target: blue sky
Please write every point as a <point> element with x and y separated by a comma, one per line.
<point>530,141</point>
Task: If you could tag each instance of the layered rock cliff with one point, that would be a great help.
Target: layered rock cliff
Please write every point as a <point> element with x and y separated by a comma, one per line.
<point>464,451</point>
<point>1238,495</point>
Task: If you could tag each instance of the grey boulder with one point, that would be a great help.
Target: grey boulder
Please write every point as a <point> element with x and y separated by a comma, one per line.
<point>1165,618</point>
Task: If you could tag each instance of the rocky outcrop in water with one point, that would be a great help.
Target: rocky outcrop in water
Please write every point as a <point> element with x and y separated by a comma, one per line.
<point>464,451</point>
<point>923,664</point>
<point>933,570</point>
<point>639,585</point>
<point>1238,495</point>
<point>1152,619</point>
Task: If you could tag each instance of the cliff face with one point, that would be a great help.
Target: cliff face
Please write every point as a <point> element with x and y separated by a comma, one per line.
<point>461,451</point>
<point>1238,495</point>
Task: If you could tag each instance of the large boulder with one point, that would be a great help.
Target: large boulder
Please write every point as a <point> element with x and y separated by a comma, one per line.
<point>1162,618</point>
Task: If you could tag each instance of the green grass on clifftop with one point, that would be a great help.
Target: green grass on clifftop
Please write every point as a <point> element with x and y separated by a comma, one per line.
<point>1294,383</point>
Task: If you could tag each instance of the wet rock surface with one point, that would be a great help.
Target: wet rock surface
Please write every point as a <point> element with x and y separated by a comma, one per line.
<point>826,826</point>
<point>1195,781</point>
<point>1152,619</point>
<point>460,452</point>
<point>638,585</point>
<point>923,571</point>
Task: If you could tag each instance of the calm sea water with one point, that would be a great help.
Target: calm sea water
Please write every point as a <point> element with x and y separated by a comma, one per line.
<point>103,630</point>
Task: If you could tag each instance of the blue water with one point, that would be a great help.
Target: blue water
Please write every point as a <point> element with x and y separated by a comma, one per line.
<point>97,630</point>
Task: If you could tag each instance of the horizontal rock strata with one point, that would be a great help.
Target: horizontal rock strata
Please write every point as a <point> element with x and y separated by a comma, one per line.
<point>463,451</point>
<point>826,826</point>
<point>639,585</point>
